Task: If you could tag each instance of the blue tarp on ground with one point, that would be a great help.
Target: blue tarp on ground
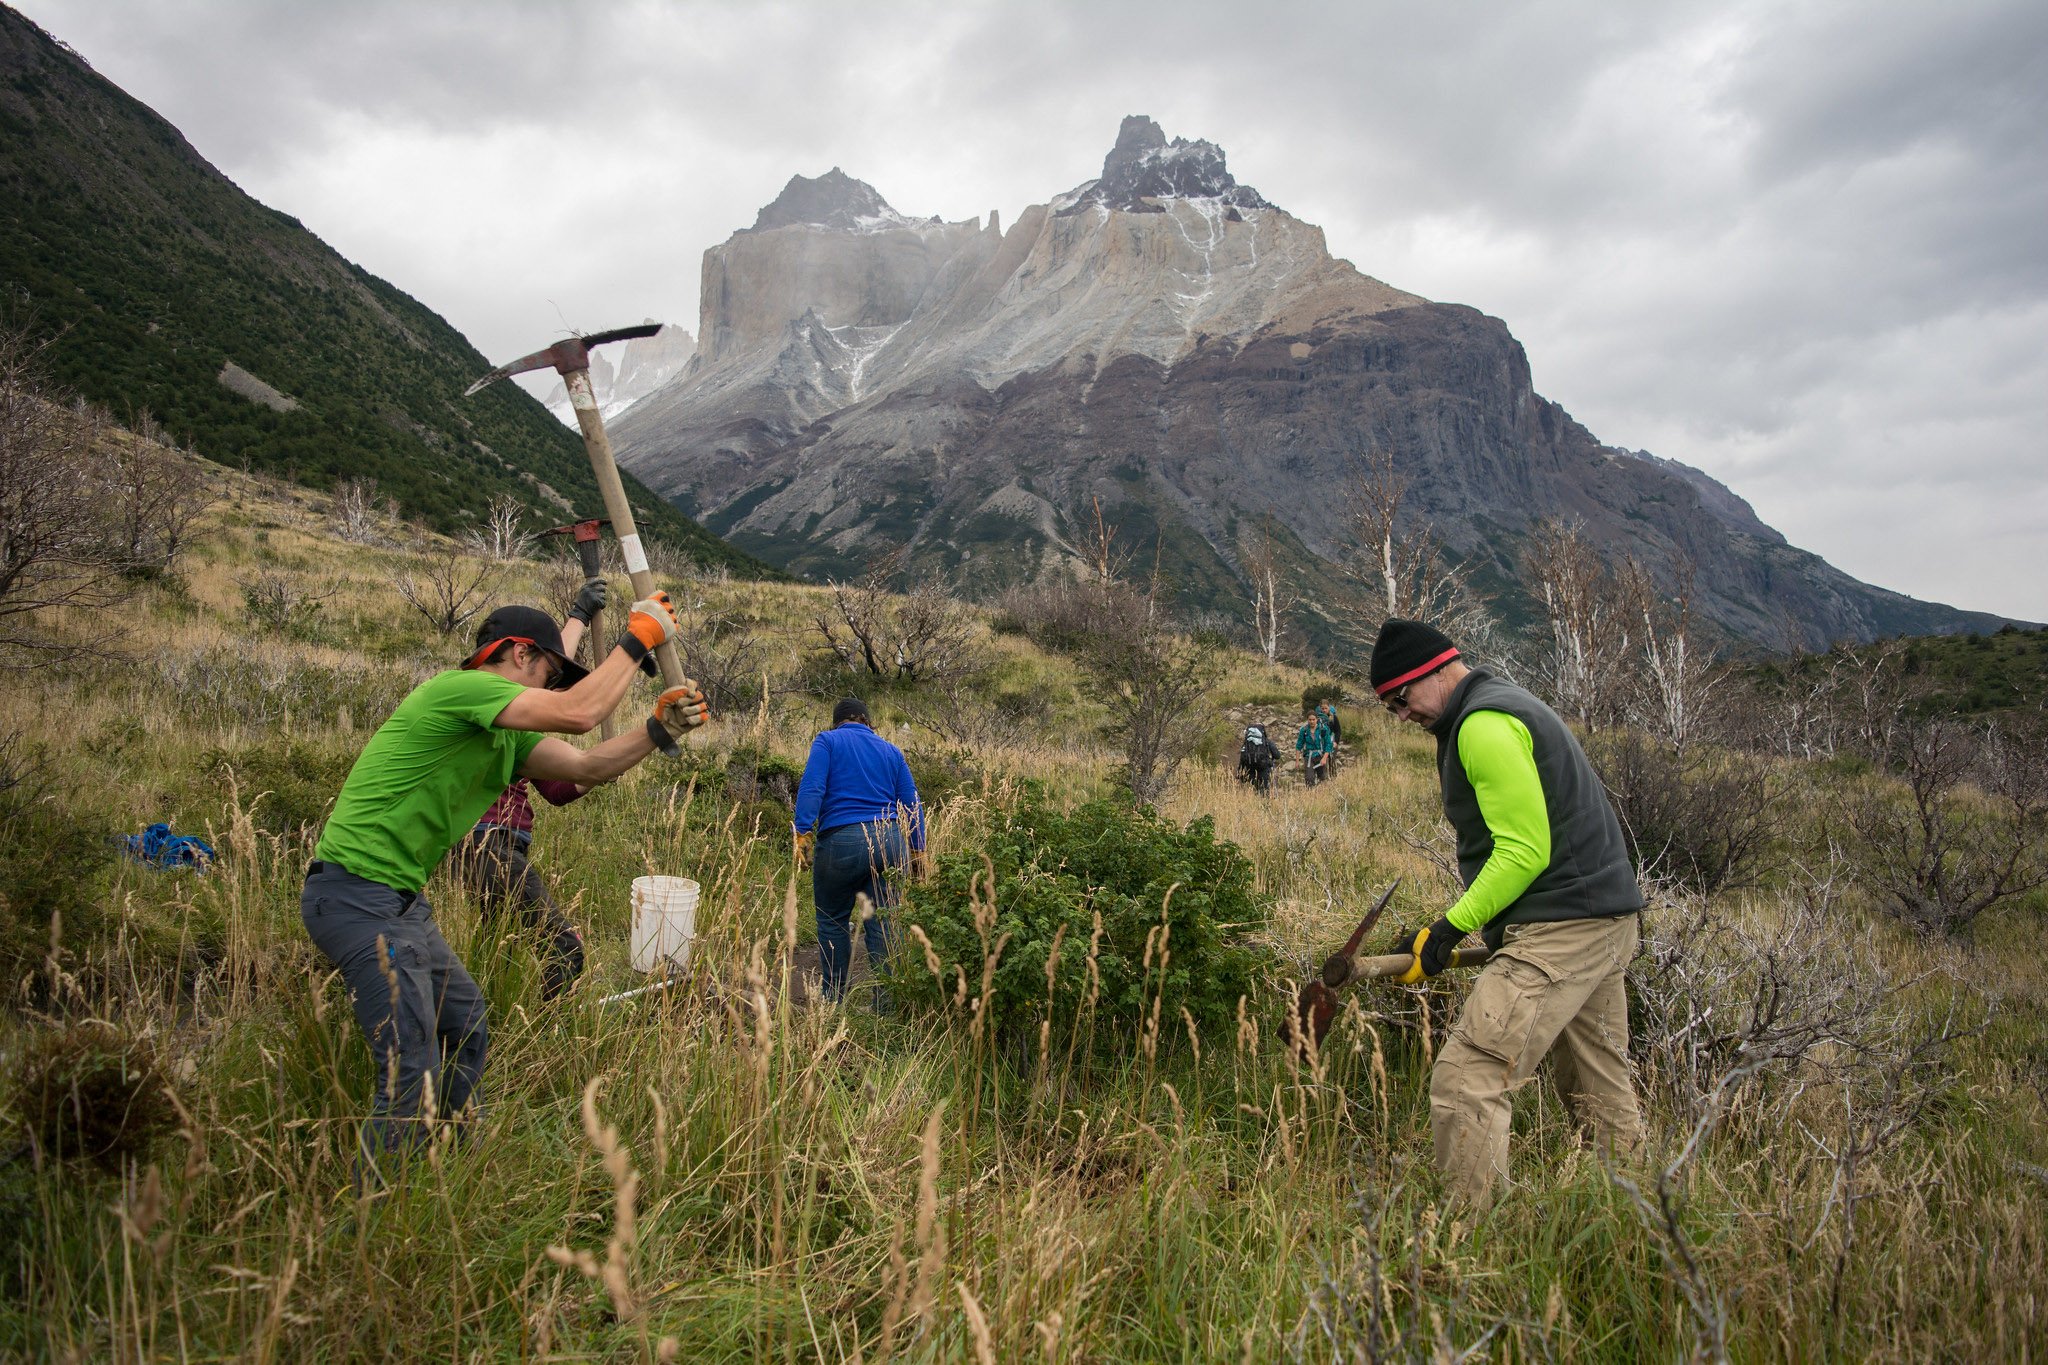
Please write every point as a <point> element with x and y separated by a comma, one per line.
<point>158,847</point>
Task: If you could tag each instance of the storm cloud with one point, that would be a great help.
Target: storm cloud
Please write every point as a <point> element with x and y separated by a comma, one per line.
<point>1796,245</point>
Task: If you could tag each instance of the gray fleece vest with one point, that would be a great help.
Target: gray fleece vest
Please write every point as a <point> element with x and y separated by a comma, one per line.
<point>1589,876</point>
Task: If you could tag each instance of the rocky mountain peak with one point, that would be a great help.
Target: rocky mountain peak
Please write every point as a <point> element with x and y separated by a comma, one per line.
<point>833,200</point>
<point>1143,167</point>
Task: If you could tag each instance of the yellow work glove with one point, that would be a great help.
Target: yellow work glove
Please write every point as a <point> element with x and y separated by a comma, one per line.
<point>806,843</point>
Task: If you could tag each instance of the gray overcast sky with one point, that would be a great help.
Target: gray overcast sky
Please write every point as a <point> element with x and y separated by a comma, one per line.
<point>1803,246</point>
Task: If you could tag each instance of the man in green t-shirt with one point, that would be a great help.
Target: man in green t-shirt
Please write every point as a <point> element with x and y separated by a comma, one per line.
<point>418,786</point>
<point>1548,885</point>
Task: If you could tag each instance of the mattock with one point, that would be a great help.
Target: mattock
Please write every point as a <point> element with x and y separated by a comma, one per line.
<point>586,533</point>
<point>570,358</point>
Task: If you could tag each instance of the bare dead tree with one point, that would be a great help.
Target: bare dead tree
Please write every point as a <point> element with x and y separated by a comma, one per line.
<point>1735,1025</point>
<point>1152,683</point>
<point>912,638</point>
<point>447,587</point>
<point>1585,668</point>
<point>1108,558</point>
<point>355,511</point>
<point>54,531</point>
<point>727,660</point>
<point>501,536</point>
<point>1969,831</point>
<point>1272,595</point>
<point>1402,568</point>
<point>1679,682</point>
<point>1707,818</point>
<point>155,494</point>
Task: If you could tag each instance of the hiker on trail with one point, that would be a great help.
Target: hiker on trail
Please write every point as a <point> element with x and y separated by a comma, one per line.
<point>858,824</point>
<point>495,855</point>
<point>1256,759</point>
<point>1312,742</point>
<point>1548,885</point>
<point>1326,712</point>
<point>420,784</point>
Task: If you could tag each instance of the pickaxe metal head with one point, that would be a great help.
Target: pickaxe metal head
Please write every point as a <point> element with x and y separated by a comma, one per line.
<point>584,531</point>
<point>565,356</point>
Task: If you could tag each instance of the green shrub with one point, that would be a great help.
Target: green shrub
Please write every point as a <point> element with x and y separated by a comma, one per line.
<point>1057,870</point>
<point>753,773</point>
<point>91,1091</point>
<point>296,780</point>
<point>51,855</point>
<point>1316,693</point>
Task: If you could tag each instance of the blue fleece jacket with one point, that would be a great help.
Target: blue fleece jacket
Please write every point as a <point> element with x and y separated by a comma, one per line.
<point>852,776</point>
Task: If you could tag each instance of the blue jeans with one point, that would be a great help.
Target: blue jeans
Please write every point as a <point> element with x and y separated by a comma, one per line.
<point>850,861</point>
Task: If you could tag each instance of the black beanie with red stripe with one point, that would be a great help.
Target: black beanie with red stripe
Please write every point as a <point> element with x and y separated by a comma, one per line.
<point>1407,650</point>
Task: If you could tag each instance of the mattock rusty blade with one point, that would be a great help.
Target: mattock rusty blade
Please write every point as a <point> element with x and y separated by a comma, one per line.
<point>1315,1003</point>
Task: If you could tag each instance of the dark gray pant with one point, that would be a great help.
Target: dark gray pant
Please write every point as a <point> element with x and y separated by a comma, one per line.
<point>417,1007</point>
<point>495,862</point>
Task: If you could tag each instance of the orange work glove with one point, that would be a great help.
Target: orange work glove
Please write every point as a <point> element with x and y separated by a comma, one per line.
<point>653,621</point>
<point>805,844</point>
<point>676,711</point>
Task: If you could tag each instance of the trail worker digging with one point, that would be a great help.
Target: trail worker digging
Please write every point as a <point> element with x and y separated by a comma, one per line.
<point>857,823</point>
<point>1547,883</point>
<point>496,855</point>
<point>419,785</point>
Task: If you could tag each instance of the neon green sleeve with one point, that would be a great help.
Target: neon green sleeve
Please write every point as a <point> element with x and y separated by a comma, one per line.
<point>1500,759</point>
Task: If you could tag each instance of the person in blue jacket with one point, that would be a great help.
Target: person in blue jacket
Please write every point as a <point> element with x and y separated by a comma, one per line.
<point>858,824</point>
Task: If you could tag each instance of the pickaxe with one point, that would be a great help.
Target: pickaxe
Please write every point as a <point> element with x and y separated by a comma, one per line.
<point>570,358</point>
<point>586,533</point>
<point>1315,1006</point>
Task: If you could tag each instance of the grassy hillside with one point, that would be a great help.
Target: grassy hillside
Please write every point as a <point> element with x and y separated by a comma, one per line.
<point>737,1174</point>
<point>152,272</point>
<point>2003,672</point>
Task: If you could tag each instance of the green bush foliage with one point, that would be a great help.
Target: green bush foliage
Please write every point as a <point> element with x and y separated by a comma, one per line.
<point>295,781</point>
<point>1315,694</point>
<point>1056,874</point>
<point>91,1092</point>
<point>50,857</point>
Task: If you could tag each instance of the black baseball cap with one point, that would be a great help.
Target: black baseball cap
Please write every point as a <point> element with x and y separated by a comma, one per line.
<point>526,626</point>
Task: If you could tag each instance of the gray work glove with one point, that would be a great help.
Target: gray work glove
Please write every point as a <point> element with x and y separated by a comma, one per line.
<point>589,601</point>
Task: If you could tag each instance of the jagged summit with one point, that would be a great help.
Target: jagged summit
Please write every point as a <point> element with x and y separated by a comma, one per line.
<point>833,200</point>
<point>1144,167</point>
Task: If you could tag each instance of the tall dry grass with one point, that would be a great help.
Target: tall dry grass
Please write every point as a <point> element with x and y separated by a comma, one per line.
<point>720,1172</point>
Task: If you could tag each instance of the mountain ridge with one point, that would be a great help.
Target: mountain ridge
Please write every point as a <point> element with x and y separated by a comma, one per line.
<point>1196,362</point>
<point>160,285</point>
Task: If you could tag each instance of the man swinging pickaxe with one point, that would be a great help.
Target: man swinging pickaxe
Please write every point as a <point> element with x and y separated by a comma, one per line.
<point>570,358</point>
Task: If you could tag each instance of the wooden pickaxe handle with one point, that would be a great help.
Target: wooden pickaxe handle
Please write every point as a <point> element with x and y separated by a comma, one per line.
<point>619,510</point>
<point>1397,964</point>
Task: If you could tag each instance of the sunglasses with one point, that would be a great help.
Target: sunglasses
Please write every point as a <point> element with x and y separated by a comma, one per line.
<point>1397,700</point>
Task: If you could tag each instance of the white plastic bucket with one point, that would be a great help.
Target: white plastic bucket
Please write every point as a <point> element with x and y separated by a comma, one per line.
<point>664,922</point>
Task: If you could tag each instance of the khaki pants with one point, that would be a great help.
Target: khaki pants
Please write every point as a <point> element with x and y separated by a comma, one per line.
<point>1551,984</point>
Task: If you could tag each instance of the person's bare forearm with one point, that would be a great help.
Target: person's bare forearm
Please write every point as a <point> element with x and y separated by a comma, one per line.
<point>579,709</point>
<point>554,760</point>
<point>605,761</point>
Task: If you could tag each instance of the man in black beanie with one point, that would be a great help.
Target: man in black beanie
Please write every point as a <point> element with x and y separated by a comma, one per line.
<point>1549,886</point>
